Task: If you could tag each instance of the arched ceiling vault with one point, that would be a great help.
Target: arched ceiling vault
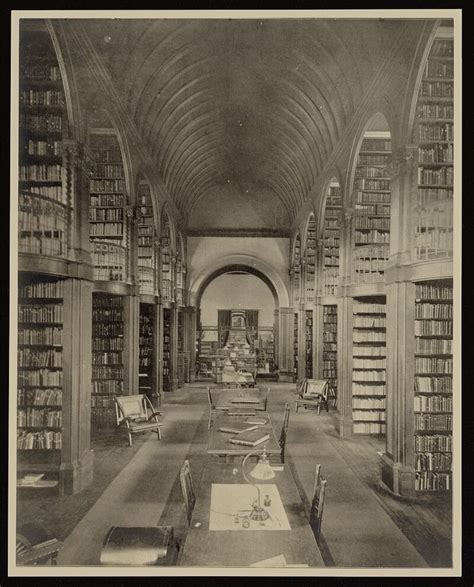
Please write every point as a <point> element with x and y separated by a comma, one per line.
<point>243,106</point>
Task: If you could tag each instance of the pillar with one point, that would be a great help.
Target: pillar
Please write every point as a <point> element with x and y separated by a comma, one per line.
<point>131,314</point>
<point>285,346</point>
<point>276,344</point>
<point>174,347</point>
<point>189,315</point>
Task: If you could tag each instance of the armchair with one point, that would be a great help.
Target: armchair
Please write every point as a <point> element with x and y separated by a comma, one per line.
<point>135,414</point>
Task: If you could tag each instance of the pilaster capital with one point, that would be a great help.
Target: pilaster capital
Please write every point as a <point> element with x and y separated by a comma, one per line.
<point>400,161</point>
<point>76,154</point>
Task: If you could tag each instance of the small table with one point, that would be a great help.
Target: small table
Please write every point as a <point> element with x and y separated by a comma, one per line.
<point>250,398</point>
<point>243,548</point>
<point>220,446</point>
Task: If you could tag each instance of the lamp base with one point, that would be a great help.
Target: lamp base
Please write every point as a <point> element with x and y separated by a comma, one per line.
<point>258,514</point>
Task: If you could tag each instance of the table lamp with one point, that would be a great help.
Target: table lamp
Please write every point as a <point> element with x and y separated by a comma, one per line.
<point>263,471</point>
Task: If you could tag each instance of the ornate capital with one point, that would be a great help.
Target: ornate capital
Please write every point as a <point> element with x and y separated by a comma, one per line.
<point>348,214</point>
<point>399,161</point>
<point>133,213</point>
<point>78,155</point>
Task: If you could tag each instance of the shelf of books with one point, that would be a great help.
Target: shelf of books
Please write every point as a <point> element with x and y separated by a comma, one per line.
<point>182,358</point>
<point>107,357</point>
<point>297,271</point>
<point>40,373</point>
<point>167,370</point>
<point>145,350</point>
<point>166,270</point>
<point>310,254</point>
<point>44,212</point>
<point>331,239</point>
<point>330,351</point>
<point>295,347</point>
<point>433,385</point>
<point>179,281</point>
<point>309,344</point>
<point>435,113</point>
<point>369,365</point>
<point>371,223</point>
<point>145,236</point>
<point>107,209</point>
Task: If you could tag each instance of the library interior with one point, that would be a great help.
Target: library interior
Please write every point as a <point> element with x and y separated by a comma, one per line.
<point>234,304</point>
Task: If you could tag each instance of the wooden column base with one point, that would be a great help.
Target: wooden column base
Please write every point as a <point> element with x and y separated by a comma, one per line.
<point>399,478</point>
<point>74,477</point>
<point>344,426</point>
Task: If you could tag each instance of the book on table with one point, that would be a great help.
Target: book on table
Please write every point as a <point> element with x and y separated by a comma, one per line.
<point>237,428</point>
<point>252,438</point>
<point>245,400</point>
<point>258,421</point>
<point>241,412</point>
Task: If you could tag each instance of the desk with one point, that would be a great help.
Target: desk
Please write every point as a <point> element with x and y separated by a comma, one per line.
<point>220,446</point>
<point>224,401</point>
<point>225,548</point>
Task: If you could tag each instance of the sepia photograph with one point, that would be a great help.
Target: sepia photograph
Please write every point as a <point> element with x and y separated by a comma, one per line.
<point>235,293</point>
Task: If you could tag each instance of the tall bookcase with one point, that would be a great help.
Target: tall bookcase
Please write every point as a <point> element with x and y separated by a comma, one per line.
<point>435,112</point>
<point>44,210</point>
<point>166,272</point>
<point>330,350</point>
<point>369,365</point>
<point>297,271</point>
<point>107,357</point>
<point>146,345</point>
<point>433,403</point>
<point>371,222</point>
<point>331,239</point>
<point>40,375</point>
<point>167,358</point>
<point>310,254</point>
<point>108,227</point>
<point>145,236</point>
<point>309,344</point>
<point>295,347</point>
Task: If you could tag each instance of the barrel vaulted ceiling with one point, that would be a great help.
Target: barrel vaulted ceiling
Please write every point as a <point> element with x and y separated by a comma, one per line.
<point>241,110</point>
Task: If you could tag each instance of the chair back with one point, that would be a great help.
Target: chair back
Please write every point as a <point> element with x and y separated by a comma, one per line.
<point>265,401</point>
<point>315,387</point>
<point>209,398</point>
<point>187,489</point>
<point>317,503</point>
<point>284,432</point>
<point>132,407</point>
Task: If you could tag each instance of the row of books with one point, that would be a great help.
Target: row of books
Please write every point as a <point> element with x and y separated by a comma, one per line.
<point>107,229</point>
<point>438,461</point>
<point>435,242</point>
<point>440,153</point>
<point>360,336</point>
<point>431,481</point>
<point>373,237</point>
<point>107,344</point>
<point>40,172</point>
<point>369,351</point>
<point>430,195</point>
<point>44,440</point>
<point>368,390</point>
<point>435,68</point>
<point>40,397</point>
<point>433,442</point>
<point>432,310</point>
<point>372,159</point>
<point>113,329</point>
<point>111,154</point>
<point>435,403</point>
<point>371,184</point>
<point>376,145</point>
<point>108,273</point>
<point>433,328</point>
<point>441,176</point>
<point>368,403</point>
<point>368,321</point>
<point>444,131</point>
<point>366,222</point>
<point>369,427</point>
<point>41,377</point>
<point>433,346</point>
<point>111,386</point>
<point>434,384</point>
<point>368,363</point>
<point>47,148</point>
<point>368,415</point>
<point>28,357</point>
<point>433,365</point>
<point>109,171</point>
<point>40,71</point>
<point>433,422</point>
<point>107,200</point>
<point>40,314</point>
<point>102,401</point>
<point>42,289</point>
<point>437,89</point>
<point>53,192</point>
<point>41,123</point>
<point>107,185</point>
<point>42,98</point>
<point>435,110</point>
<point>107,372</point>
<point>368,376</point>
<point>50,335</point>
<point>107,314</point>
<point>368,266</point>
<point>370,172</point>
<point>103,416</point>
<point>107,358</point>
<point>105,214</point>
<point>361,197</point>
<point>37,417</point>
<point>442,48</point>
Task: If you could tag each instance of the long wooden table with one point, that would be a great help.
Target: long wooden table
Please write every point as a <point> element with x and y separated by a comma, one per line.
<point>220,446</point>
<point>242,548</point>
<point>250,398</point>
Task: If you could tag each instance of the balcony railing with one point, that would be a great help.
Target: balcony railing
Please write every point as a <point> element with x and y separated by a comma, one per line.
<point>369,262</point>
<point>146,279</point>
<point>109,261</point>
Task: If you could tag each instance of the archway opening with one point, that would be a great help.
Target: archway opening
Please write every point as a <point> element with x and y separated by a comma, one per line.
<point>236,324</point>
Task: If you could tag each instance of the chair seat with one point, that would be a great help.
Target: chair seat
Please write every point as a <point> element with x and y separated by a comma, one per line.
<point>142,426</point>
<point>310,401</point>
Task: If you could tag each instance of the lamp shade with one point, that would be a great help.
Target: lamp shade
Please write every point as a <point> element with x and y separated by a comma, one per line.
<point>262,470</point>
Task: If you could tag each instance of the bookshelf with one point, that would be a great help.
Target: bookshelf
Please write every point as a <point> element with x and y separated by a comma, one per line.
<point>369,365</point>
<point>434,116</point>
<point>295,347</point>
<point>179,273</point>
<point>145,350</point>
<point>309,344</point>
<point>182,359</point>
<point>310,267</point>
<point>108,228</point>
<point>371,223</point>
<point>332,239</point>
<point>297,270</point>
<point>145,236</point>
<point>107,357</point>
<point>433,404</point>
<point>40,373</point>
<point>167,368</point>
<point>330,350</point>
<point>44,210</point>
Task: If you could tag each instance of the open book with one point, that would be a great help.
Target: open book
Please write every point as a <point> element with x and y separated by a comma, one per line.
<point>252,438</point>
<point>236,428</point>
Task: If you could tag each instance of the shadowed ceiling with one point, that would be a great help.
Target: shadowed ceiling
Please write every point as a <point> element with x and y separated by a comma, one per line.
<point>232,110</point>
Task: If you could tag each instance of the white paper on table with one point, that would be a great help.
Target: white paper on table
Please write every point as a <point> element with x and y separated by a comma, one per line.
<point>274,561</point>
<point>231,500</point>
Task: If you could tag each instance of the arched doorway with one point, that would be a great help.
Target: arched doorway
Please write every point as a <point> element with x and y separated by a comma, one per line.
<point>244,297</point>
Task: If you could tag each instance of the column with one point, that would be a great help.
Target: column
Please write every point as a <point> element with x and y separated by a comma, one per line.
<point>155,369</point>
<point>189,314</point>
<point>276,336</point>
<point>318,326</point>
<point>301,342</point>
<point>131,314</point>
<point>76,470</point>
<point>174,326</point>
<point>285,346</point>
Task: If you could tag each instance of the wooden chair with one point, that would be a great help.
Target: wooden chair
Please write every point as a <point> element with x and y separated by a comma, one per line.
<point>212,407</point>
<point>265,401</point>
<point>187,488</point>
<point>317,503</point>
<point>313,393</point>
<point>35,547</point>
<point>135,415</point>
<point>284,432</point>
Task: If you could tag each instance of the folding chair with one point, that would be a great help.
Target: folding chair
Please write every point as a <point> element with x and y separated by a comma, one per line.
<point>187,488</point>
<point>135,414</point>
<point>317,503</point>
<point>313,393</point>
